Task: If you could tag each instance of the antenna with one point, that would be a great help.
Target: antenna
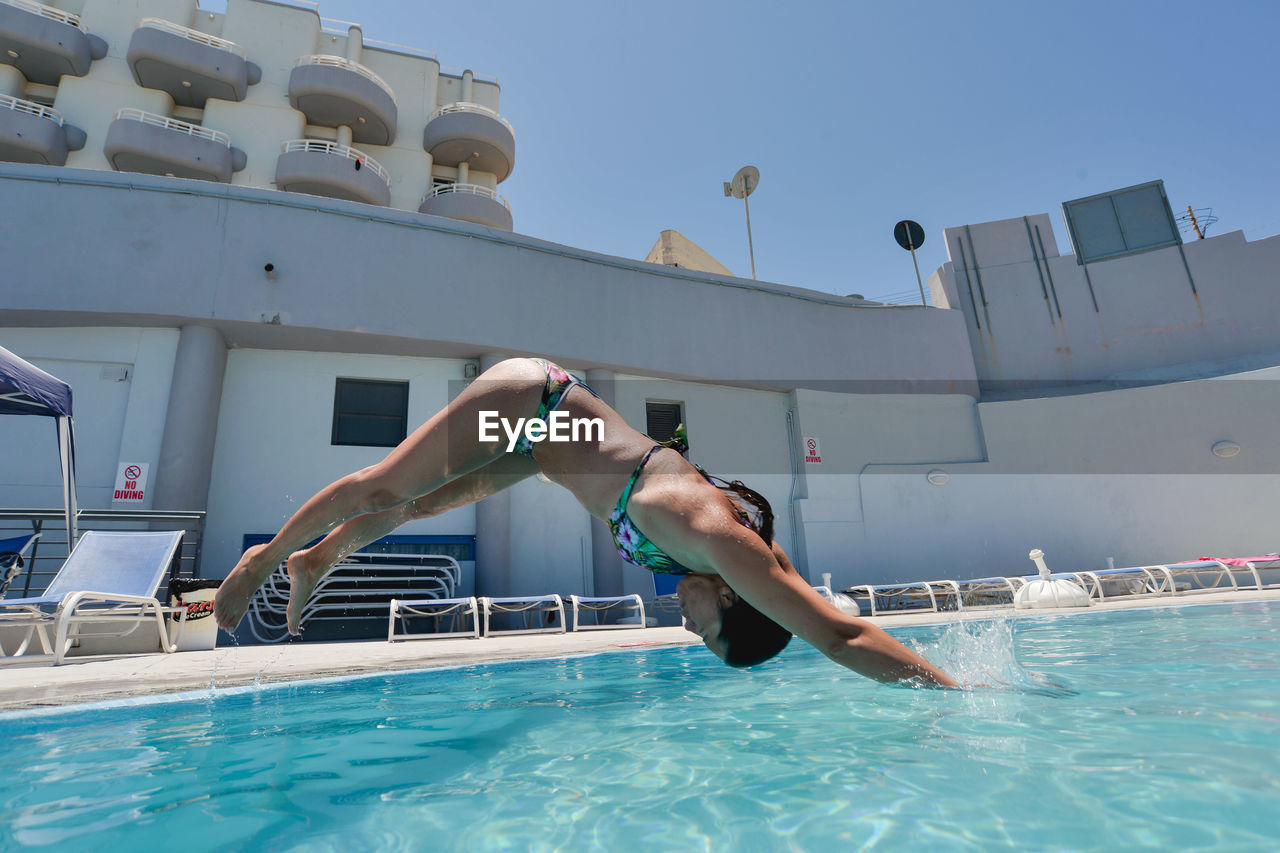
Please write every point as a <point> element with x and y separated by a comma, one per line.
<point>744,184</point>
<point>1197,220</point>
<point>910,236</point>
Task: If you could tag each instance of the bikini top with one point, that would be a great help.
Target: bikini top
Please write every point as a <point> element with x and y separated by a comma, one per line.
<point>633,545</point>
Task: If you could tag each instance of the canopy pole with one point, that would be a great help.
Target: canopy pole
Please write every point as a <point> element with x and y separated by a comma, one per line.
<point>67,453</point>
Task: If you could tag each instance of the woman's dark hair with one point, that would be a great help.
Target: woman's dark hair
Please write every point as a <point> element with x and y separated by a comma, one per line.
<point>751,637</point>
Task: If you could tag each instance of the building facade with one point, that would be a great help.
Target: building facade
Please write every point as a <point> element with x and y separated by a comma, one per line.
<point>213,329</point>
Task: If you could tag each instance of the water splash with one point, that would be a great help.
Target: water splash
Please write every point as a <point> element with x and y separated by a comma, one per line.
<point>980,653</point>
<point>257,678</point>
<point>845,604</point>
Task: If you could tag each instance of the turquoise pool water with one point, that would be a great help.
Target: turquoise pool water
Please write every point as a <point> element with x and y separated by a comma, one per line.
<point>1170,740</point>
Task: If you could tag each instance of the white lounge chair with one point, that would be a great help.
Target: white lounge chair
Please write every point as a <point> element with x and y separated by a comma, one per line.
<point>599,605</point>
<point>358,589</point>
<point>533,609</point>
<point>109,577</point>
<point>453,609</point>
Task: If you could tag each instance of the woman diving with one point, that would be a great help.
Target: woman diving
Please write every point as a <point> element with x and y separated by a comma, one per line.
<point>739,592</point>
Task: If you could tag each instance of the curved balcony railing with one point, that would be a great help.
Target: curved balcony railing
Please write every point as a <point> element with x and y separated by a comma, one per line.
<point>469,107</point>
<point>8,102</point>
<point>340,62</point>
<point>193,35</point>
<point>174,124</point>
<point>323,147</point>
<point>46,12</point>
<point>472,189</point>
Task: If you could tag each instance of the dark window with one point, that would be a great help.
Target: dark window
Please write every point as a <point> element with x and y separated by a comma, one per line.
<point>1122,222</point>
<point>370,412</point>
<point>661,420</point>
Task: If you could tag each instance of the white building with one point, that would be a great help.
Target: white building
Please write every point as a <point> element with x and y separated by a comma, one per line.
<point>213,329</point>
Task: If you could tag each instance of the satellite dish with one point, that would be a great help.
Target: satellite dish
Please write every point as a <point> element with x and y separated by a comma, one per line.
<point>744,183</point>
<point>909,234</point>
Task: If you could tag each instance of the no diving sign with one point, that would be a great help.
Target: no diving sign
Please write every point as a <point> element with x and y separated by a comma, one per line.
<point>812,452</point>
<point>131,482</point>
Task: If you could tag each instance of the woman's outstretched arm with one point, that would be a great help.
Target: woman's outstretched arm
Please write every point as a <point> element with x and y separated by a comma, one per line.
<point>714,542</point>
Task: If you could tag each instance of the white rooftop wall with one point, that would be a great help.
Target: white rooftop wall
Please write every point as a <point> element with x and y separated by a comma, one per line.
<point>1153,310</point>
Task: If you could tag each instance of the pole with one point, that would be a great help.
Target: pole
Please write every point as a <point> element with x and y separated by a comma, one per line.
<point>918,280</point>
<point>1194,223</point>
<point>750,248</point>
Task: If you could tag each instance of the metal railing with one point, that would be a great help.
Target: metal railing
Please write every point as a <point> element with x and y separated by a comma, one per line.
<point>472,189</point>
<point>341,62</point>
<point>469,107</point>
<point>174,124</point>
<point>193,35</point>
<point>450,71</point>
<point>18,105</point>
<point>338,27</point>
<point>401,48</point>
<point>52,548</point>
<point>325,147</point>
<point>46,12</point>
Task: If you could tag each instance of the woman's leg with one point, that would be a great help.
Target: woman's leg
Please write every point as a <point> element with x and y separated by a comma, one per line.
<point>444,448</point>
<point>308,566</point>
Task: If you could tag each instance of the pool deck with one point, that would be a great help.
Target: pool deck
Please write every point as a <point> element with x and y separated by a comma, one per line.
<point>81,680</point>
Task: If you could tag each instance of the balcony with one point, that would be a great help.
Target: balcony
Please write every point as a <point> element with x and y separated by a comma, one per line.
<point>470,203</point>
<point>316,167</point>
<point>44,43</point>
<point>33,133</point>
<point>472,134</point>
<point>332,92</point>
<point>188,64</point>
<point>153,144</point>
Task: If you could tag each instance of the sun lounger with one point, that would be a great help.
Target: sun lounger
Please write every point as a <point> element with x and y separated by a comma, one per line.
<point>598,606</point>
<point>916,596</point>
<point>359,588</point>
<point>435,609</point>
<point>986,592</point>
<point>14,554</point>
<point>1129,581</point>
<point>1255,566</point>
<point>532,608</point>
<point>1267,565</point>
<point>109,577</point>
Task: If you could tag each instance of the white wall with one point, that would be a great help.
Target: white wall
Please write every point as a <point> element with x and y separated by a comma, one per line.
<point>116,420</point>
<point>1127,474</point>
<point>273,448</point>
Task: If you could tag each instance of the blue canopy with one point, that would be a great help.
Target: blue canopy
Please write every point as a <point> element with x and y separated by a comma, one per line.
<point>27,390</point>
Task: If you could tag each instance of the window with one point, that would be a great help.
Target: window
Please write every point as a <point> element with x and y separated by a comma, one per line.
<point>370,412</point>
<point>1123,222</point>
<point>661,419</point>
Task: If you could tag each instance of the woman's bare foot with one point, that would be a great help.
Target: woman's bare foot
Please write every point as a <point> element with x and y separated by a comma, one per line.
<point>232,599</point>
<point>305,571</point>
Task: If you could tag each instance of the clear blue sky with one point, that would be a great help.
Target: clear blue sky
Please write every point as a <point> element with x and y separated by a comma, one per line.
<point>629,116</point>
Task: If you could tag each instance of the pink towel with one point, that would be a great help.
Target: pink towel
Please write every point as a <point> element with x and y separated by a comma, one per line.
<point>1241,561</point>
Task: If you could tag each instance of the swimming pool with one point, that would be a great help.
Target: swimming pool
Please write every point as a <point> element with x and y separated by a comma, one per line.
<point>1170,740</point>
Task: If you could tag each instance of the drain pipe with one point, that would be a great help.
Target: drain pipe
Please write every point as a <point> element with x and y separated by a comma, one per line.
<point>799,555</point>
